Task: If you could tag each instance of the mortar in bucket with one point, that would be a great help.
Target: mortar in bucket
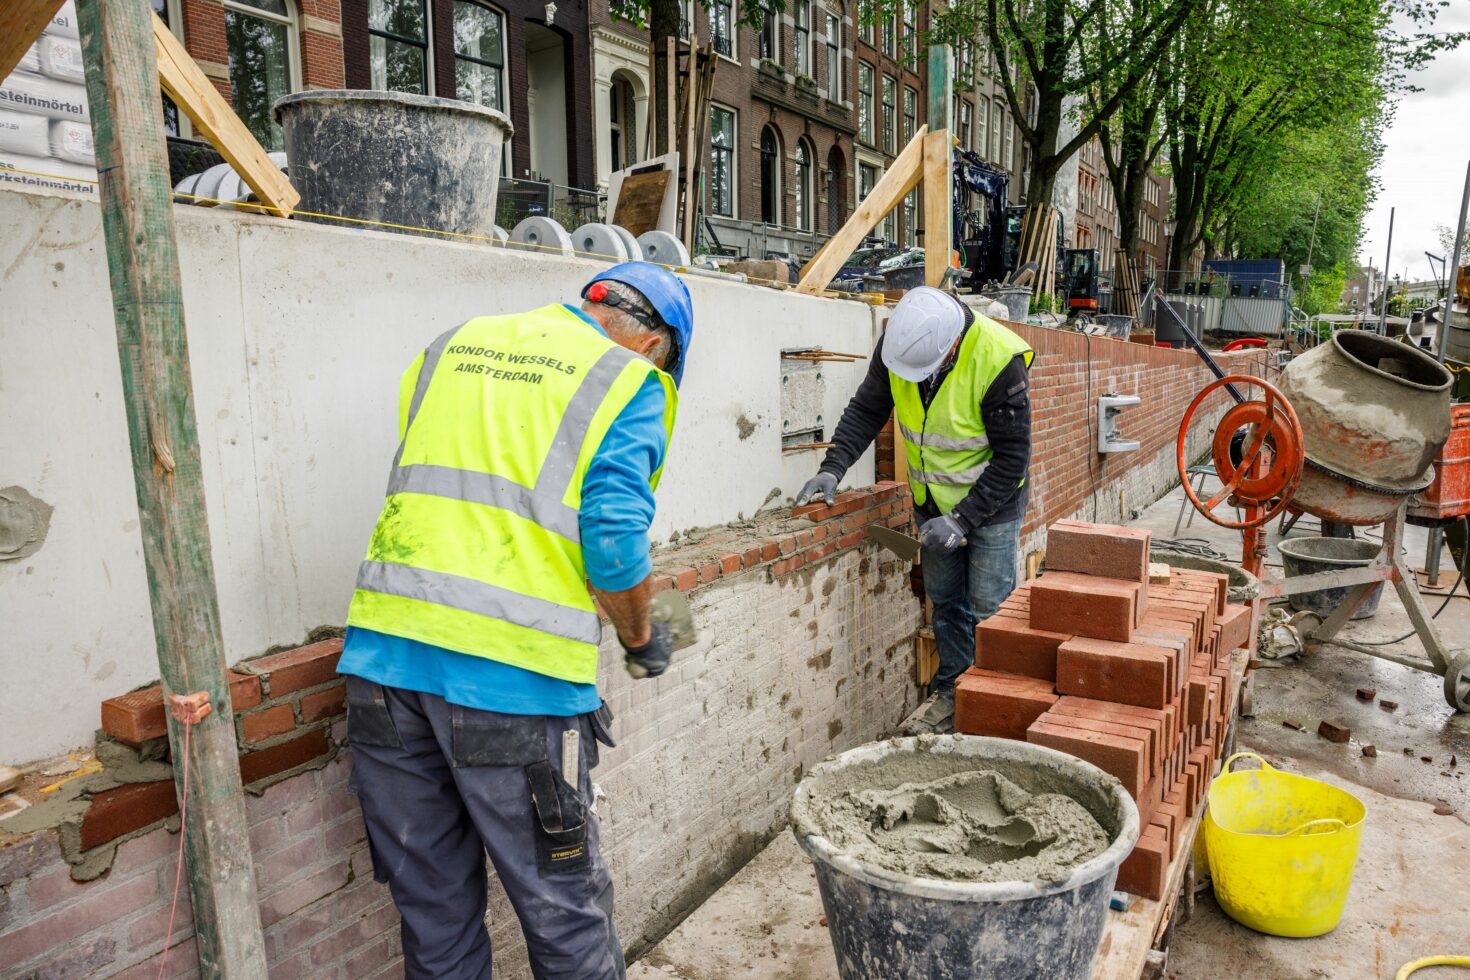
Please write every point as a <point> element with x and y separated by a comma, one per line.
<point>872,815</point>
<point>1304,556</point>
<point>1282,848</point>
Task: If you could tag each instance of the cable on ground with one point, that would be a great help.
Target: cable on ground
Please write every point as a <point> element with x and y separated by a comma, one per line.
<point>1459,577</point>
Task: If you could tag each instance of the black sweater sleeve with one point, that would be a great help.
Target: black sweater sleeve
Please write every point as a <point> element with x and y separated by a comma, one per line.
<point>863,418</point>
<point>1006,409</point>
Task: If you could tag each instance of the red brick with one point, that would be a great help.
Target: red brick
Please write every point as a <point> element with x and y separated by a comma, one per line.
<point>788,546</point>
<point>769,550</point>
<point>1155,721</point>
<point>729,564</point>
<point>1106,550</point>
<point>138,716</point>
<point>1126,758</point>
<point>1334,733</point>
<point>851,538</point>
<point>263,763</point>
<point>1128,673</point>
<point>685,579</point>
<point>1110,727</point>
<point>1235,628</point>
<point>323,704</point>
<point>1145,871</point>
<point>1218,581</point>
<point>819,534</point>
<point>1083,605</point>
<point>291,670</point>
<point>805,539</point>
<point>751,557</point>
<point>708,572</point>
<point>1009,644</point>
<point>661,583</point>
<point>257,726</point>
<point>126,808</point>
<point>997,704</point>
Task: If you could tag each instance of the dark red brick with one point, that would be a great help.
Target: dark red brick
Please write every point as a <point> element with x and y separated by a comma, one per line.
<point>1084,605</point>
<point>1235,628</point>
<point>685,579</point>
<point>729,564</point>
<point>1007,643</point>
<point>769,550</point>
<point>323,704</point>
<point>1334,733</point>
<point>1001,705</point>
<point>266,762</point>
<point>1145,871</point>
<point>292,670</point>
<point>138,716</point>
<point>124,809</point>
<point>1106,550</point>
<point>257,726</point>
<point>1126,758</point>
<point>1128,673</point>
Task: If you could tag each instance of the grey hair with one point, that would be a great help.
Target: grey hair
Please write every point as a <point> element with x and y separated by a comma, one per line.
<point>624,323</point>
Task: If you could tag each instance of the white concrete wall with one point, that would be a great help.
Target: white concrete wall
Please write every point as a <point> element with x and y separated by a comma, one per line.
<point>298,334</point>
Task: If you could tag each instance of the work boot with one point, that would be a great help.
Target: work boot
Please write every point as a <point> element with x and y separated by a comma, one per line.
<point>934,717</point>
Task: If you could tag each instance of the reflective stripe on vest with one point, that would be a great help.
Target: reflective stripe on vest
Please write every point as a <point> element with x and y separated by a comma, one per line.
<point>945,443</point>
<point>477,548</point>
<point>541,503</point>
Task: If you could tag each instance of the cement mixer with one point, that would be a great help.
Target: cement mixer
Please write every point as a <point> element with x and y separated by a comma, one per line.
<point>1350,436</point>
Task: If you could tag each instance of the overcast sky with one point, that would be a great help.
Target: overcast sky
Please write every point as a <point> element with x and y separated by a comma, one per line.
<point>1425,152</point>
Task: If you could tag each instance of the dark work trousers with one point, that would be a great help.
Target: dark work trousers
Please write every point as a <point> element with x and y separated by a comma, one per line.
<point>441,786</point>
<point>966,586</point>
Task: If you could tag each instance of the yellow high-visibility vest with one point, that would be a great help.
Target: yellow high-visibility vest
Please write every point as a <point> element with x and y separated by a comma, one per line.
<point>945,444</point>
<point>478,548</point>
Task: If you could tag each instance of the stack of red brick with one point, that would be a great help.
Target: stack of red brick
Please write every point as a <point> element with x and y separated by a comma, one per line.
<point>1095,660</point>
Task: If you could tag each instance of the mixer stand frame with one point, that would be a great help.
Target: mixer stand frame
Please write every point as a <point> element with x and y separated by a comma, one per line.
<point>1388,566</point>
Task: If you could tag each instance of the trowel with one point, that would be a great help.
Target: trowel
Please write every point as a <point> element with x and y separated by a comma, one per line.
<point>897,542</point>
<point>671,608</point>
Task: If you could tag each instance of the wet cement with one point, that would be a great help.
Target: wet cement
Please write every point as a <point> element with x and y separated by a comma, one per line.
<point>974,825</point>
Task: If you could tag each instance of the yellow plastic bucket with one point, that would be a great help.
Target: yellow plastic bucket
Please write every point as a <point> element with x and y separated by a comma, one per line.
<point>1282,848</point>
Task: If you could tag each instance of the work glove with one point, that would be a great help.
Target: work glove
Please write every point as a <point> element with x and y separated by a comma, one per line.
<point>822,485</point>
<point>942,535</point>
<point>652,658</point>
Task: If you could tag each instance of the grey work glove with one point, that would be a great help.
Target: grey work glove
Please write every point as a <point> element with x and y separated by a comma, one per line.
<point>652,658</point>
<point>822,485</point>
<point>942,534</point>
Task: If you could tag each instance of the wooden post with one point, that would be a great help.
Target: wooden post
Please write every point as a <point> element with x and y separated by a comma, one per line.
<point>938,170</point>
<point>21,22</point>
<point>143,264</point>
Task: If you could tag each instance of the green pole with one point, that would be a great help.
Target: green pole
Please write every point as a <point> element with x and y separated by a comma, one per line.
<point>143,264</point>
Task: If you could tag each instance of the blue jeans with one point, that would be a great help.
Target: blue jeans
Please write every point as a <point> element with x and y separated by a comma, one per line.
<point>966,586</point>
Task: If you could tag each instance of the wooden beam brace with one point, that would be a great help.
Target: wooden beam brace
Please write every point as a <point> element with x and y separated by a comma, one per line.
<point>119,57</point>
<point>938,169</point>
<point>21,23</point>
<point>900,178</point>
<point>216,121</point>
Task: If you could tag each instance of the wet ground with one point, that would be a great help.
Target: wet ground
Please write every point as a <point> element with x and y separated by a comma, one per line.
<point>1409,896</point>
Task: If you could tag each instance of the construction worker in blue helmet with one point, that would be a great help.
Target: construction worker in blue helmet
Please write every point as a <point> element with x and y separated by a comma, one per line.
<point>529,447</point>
<point>957,385</point>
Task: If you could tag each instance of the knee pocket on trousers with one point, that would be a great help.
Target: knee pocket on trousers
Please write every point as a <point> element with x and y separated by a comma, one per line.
<point>560,816</point>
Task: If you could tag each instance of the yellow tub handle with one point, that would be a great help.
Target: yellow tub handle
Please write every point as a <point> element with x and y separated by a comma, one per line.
<point>1417,965</point>
<point>1265,766</point>
<point>1320,825</point>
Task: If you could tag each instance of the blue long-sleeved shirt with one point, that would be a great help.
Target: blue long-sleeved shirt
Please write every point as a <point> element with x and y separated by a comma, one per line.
<point>617,509</point>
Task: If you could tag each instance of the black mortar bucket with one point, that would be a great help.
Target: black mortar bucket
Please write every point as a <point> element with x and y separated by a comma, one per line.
<point>886,925</point>
<point>1304,556</point>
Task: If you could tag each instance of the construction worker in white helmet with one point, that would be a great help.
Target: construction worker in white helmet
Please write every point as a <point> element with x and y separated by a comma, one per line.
<point>959,386</point>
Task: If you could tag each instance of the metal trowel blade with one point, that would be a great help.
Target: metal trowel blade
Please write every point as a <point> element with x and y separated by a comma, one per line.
<point>897,542</point>
<point>671,608</point>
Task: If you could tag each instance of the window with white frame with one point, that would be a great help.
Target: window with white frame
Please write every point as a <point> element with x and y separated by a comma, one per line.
<point>622,120</point>
<point>890,34</point>
<point>835,88</point>
<point>1009,149</point>
<point>769,37</point>
<point>261,38</point>
<point>167,11</point>
<point>805,189</point>
<point>867,179</point>
<point>998,116</point>
<point>770,177</point>
<point>865,21</point>
<point>722,161</point>
<point>865,102</point>
<point>910,114</point>
<point>398,45</point>
<point>890,112</point>
<point>803,60</point>
<point>479,56</point>
<point>982,130</point>
<point>965,126</point>
<point>722,27</point>
<point>911,218</point>
<point>910,34</point>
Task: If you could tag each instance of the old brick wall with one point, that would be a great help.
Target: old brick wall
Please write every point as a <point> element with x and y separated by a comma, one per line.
<point>804,649</point>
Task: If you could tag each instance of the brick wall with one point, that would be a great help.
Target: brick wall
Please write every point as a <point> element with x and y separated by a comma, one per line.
<point>805,649</point>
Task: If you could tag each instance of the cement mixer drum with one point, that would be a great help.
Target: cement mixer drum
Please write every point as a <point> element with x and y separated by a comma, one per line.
<point>1374,414</point>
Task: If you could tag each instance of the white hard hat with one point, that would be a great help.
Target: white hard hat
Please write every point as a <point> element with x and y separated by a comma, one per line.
<point>922,329</point>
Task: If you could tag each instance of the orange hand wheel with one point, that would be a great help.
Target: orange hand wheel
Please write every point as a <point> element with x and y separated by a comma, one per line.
<point>1270,466</point>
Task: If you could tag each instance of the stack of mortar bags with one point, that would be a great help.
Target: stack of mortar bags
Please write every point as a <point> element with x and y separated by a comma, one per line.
<point>44,125</point>
<point>1119,663</point>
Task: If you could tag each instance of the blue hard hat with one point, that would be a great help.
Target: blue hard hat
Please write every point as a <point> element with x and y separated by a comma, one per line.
<point>668,296</point>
